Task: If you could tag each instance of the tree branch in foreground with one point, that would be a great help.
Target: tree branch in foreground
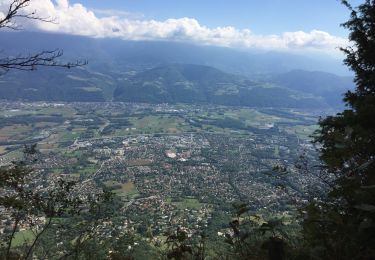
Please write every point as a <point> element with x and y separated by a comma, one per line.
<point>13,13</point>
<point>32,61</point>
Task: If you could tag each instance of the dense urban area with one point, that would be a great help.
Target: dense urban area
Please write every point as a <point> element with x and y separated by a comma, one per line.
<point>170,166</point>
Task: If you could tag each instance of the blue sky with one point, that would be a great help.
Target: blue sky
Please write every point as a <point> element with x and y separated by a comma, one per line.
<point>261,16</point>
<point>283,25</point>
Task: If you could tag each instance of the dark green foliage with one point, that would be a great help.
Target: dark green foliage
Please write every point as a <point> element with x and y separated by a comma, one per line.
<point>228,122</point>
<point>26,120</point>
<point>23,201</point>
<point>344,226</point>
<point>181,246</point>
<point>249,238</point>
<point>63,222</point>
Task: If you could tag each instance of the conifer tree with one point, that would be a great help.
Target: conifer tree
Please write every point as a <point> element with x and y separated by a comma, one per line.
<point>343,227</point>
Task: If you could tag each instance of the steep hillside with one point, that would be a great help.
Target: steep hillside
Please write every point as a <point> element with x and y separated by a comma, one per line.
<point>76,84</point>
<point>203,84</point>
<point>142,71</point>
<point>326,85</point>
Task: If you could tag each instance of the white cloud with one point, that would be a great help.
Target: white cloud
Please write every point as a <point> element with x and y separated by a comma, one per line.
<point>117,13</point>
<point>79,20</point>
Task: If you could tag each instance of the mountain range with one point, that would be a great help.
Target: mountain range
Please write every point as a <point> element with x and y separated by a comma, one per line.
<point>159,72</point>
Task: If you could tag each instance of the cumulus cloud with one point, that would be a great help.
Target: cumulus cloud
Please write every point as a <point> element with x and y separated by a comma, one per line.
<point>78,20</point>
<point>117,13</point>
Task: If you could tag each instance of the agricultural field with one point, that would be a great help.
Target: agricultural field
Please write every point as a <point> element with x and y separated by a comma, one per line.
<point>188,203</point>
<point>126,189</point>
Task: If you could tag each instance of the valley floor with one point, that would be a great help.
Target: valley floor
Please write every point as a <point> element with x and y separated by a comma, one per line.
<point>170,165</point>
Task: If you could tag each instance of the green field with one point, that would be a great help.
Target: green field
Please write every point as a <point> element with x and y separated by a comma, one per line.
<point>2,149</point>
<point>159,124</point>
<point>122,189</point>
<point>22,237</point>
<point>302,131</point>
<point>90,169</point>
<point>188,203</point>
<point>14,132</point>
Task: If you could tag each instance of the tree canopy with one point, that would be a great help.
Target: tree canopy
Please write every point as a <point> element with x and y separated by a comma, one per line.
<point>344,226</point>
